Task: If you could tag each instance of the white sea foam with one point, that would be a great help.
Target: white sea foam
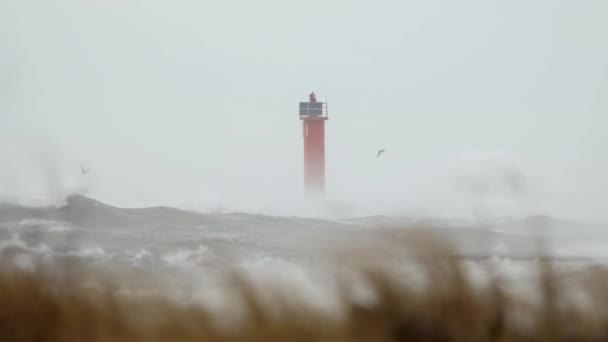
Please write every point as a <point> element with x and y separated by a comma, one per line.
<point>141,256</point>
<point>89,251</point>
<point>14,241</point>
<point>268,273</point>
<point>189,257</point>
<point>33,222</point>
<point>60,228</point>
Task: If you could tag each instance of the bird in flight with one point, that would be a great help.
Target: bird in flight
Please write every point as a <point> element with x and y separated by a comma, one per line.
<point>380,152</point>
<point>83,170</point>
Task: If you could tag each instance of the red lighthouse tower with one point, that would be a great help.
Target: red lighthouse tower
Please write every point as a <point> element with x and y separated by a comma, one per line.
<point>313,115</point>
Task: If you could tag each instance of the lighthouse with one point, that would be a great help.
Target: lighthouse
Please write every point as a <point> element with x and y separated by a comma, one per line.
<point>313,115</point>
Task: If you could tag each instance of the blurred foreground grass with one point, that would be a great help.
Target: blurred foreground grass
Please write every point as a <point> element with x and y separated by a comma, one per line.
<point>74,303</point>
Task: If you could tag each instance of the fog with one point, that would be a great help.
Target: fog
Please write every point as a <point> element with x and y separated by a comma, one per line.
<point>484,107</point>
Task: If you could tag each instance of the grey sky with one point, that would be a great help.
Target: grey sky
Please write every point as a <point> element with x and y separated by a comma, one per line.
<point>194,103</point>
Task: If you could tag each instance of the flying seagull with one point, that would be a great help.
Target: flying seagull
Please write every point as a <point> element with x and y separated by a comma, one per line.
<point>83,170</point>
<point>380,152</point>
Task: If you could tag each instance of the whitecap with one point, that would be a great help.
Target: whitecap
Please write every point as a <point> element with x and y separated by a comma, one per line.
<point>59,228</point>
<point>90,251</point>
<point>187,257</point>
<point>14,241</point>
<point>24,261</point>
<point>268,273</point>
<point>33,222</point>
<point>141,256</point>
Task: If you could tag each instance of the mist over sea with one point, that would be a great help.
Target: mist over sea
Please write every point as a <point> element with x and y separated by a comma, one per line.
<point>172,242</point>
